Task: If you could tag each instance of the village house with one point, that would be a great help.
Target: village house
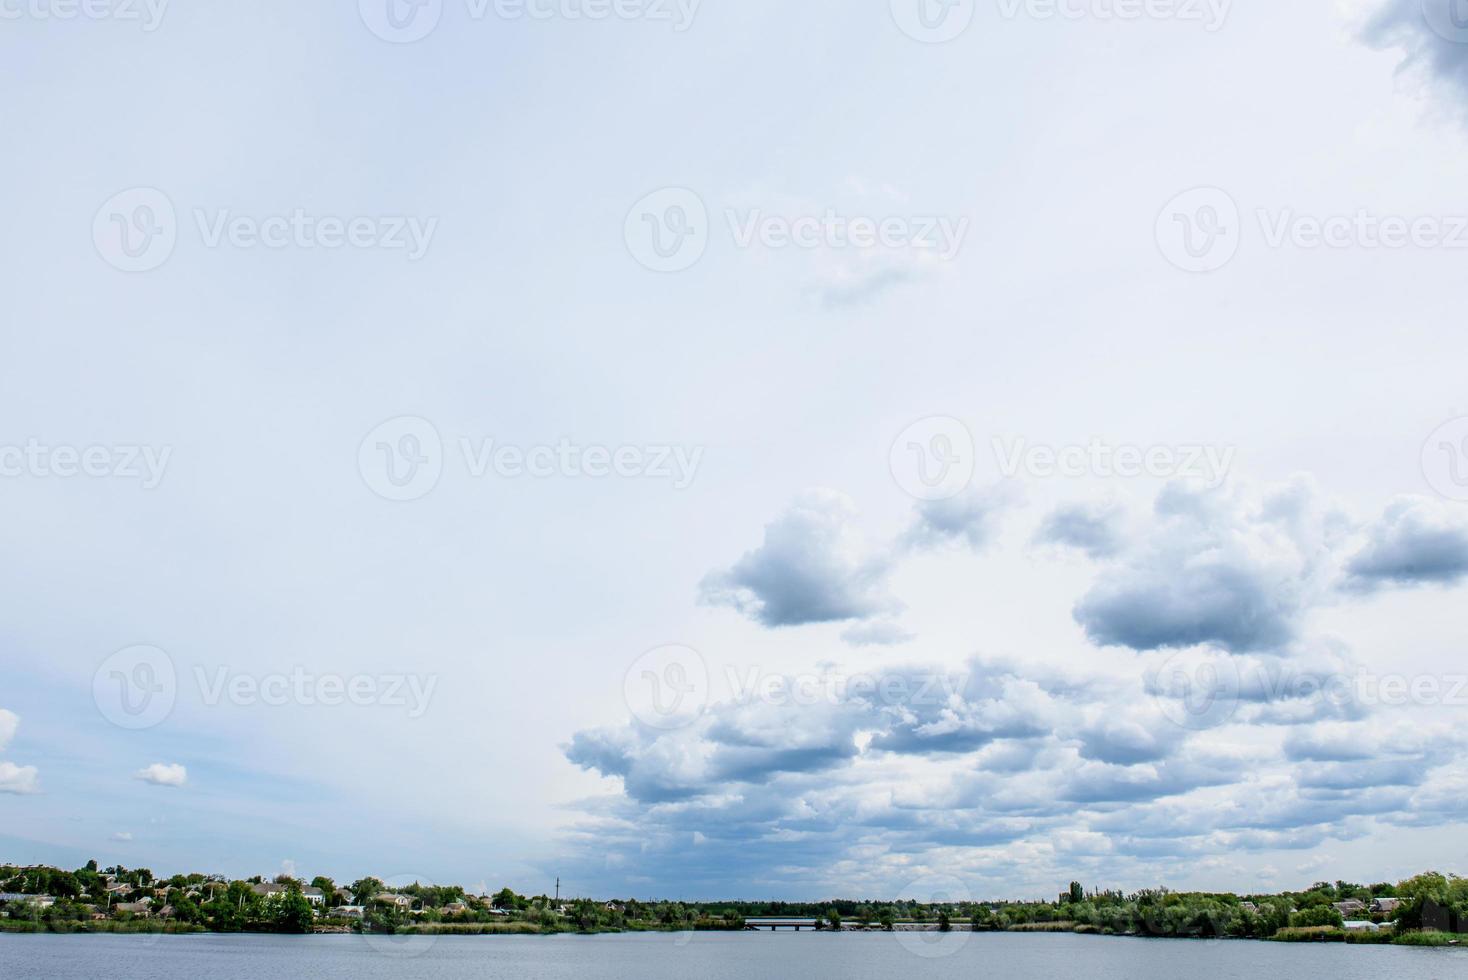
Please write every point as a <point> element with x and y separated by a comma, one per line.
<point>397,901</point>
<point>273,889</point>
<point>1351,908</point>
<point>35,901</point>
<point>141,909</point>
<point>1384,906</point>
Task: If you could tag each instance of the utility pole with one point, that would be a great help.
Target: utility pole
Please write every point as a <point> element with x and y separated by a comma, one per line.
<point>558,889</point>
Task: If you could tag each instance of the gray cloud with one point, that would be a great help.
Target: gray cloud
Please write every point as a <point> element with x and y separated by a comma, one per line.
<point>971,518</point>
<point>811,568</point>
<point>1095,529</point>
<point>1433,47</point>
<point>1414,543</point>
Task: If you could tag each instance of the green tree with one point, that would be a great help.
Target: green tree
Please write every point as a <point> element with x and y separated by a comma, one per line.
<point>1319,915</point>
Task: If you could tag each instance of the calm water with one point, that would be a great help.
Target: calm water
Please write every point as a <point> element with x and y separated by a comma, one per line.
<point>806,956</point>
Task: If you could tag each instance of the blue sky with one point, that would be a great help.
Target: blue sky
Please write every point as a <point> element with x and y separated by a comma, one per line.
<point>445,527</point>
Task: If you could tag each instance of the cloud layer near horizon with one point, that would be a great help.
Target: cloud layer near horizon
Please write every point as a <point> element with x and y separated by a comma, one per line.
<point>1215,721</point>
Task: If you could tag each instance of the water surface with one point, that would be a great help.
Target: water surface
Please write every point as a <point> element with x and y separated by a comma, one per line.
<point>709,956</point>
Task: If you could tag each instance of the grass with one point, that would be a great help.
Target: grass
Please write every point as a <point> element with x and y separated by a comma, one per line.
<point>1430,937</point>
<point>1044,927</point>
<point>110,926</point>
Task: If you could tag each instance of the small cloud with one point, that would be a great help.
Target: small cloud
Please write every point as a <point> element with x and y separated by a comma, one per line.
<point>9,722</point>
<point>20,780</point>
<point>163,774</point>
<point>971,518</point>
<point>122,836</point>
<point>879,634</point>
<point>1095,529</point>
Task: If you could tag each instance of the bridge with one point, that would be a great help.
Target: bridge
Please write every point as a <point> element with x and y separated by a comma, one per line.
<point>774,924</point>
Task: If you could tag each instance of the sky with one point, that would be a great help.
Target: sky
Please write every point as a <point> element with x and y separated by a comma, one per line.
<point>736,450</point>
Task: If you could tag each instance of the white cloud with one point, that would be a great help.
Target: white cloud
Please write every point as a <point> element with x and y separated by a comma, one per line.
<point>163,774</point>
<point>18,779</point>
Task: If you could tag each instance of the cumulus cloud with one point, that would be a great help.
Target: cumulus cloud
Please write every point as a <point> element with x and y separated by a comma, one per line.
<point>1416,542</point>
<point>122,837</point>
<point>1095,529</point>
<point>13,778</point>
<point>18,779</point>
<point>970,519</point>
<point>1434,45</point>
<point>1216,567</point>
<point>813,567</point>
<point>163,774</point>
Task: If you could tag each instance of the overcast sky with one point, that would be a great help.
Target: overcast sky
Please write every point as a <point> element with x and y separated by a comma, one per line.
<point>736,449</point>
